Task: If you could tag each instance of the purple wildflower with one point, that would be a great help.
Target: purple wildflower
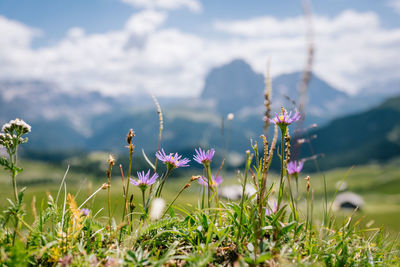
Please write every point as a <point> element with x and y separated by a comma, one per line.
<point>215,181</point>
<point>144,179</point>
<point>204,157</point>
<point>271,209</point>
<point>172,161</point>
<point>284,119</point>
<point>66,261</point>
<point>85,212</point>
<point>294,167</point>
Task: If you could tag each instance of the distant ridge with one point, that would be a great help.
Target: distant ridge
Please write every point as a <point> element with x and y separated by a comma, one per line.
<point>233,86</point>
<point>236,85</point>
<point>372,135</point>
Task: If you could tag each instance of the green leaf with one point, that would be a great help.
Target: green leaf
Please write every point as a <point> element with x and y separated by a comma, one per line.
<point>4,162</point>
<point>171,212</point>
<point>17,169</point>
<point>263,258</point>
<point>288,227</point>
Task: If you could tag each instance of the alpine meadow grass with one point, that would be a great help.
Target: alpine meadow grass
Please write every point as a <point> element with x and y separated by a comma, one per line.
<point>276,225</point>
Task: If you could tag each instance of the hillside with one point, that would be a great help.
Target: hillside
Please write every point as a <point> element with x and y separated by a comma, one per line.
<point>369,136</point>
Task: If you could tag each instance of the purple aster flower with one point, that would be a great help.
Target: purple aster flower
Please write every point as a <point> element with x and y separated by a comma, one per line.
<point>272,208</point>
<point>294,167</point>
<point>144,179</point>
<point>215,181</point>
<point>85,212</point>
<point>204,157</point>
<point>172,161</point>
<point>285,118</point>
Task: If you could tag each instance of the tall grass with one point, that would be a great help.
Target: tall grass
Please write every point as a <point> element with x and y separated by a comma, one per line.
<point>265,228</point>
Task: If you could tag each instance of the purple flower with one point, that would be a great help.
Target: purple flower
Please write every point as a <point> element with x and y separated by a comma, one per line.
<point>85,212</point>
<point>144,179</point>
<point>271,209</point>
<point>215,181</point>
<point>66,261</point>
<point>284,119</point>
<point>172,161</point>
<point>294,167</point>
<point>204,157</point>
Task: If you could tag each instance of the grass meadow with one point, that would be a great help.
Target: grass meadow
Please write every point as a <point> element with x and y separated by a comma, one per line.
<point>376,183</point>
<point>54,215</point>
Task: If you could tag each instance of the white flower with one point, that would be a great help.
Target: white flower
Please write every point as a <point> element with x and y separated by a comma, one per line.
<point>230,116</point>
<point>5,127</point>
<point>157,208</point>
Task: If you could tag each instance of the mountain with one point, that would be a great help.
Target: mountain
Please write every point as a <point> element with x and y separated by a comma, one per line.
<point>41,101</point>
<point>63,122</point>
<point>236,88</point>
<point>372,135</point>
<point>233,86</point>
<point>323,99</point>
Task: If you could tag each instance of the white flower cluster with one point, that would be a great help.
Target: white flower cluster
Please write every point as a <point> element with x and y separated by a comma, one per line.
<point>12,132</point>
<point>16,125</point>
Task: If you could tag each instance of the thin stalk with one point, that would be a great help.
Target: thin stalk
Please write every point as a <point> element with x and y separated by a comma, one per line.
<point>14,182</point>
<point>62,182</point>
<point>160,188</point>
<point>282,166</point>
<point>203,196</point>
<point>209,187</point>
<point>109,194</point>
<point>308,203</point>
<point>144,203</point>
<point>123,190</point>
<point>292,200</point>
<point>125,210</point>
<point>176,197</point>
<point>248,161</point>
<point>92,195</point>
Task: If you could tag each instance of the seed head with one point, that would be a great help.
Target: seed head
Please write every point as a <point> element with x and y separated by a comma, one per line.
<point>157,208</point>
<point>194,178</point>
<point>111,160</point>
<point>130,136</point>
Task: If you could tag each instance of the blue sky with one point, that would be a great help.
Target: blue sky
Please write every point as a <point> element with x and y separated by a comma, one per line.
<point>172,44</point>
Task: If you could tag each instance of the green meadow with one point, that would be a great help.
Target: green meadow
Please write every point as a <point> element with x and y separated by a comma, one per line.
<point>377,183</point>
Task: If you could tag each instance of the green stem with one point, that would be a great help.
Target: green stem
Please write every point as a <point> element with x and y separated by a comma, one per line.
<point>109,196</point>
<point>292,200</point>
<point>243,196</point>
<point>14,182</point>
<point>209,187</point>
<point>144,203</point>
<point>283,131</point>
<point>173,201</point>
<point>160,188</point>
<point>125,210</point>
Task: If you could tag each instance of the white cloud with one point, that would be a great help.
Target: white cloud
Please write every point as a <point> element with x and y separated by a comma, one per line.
<point>352,51</point>
<point>145,22</point>
<point>15,34</point>
<point>394,4</point>
<point>193,5</point>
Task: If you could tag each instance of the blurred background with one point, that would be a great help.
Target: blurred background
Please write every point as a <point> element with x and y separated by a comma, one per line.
<point>82,74</point>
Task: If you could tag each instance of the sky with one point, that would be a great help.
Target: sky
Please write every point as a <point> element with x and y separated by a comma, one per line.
<point>132,47</point>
